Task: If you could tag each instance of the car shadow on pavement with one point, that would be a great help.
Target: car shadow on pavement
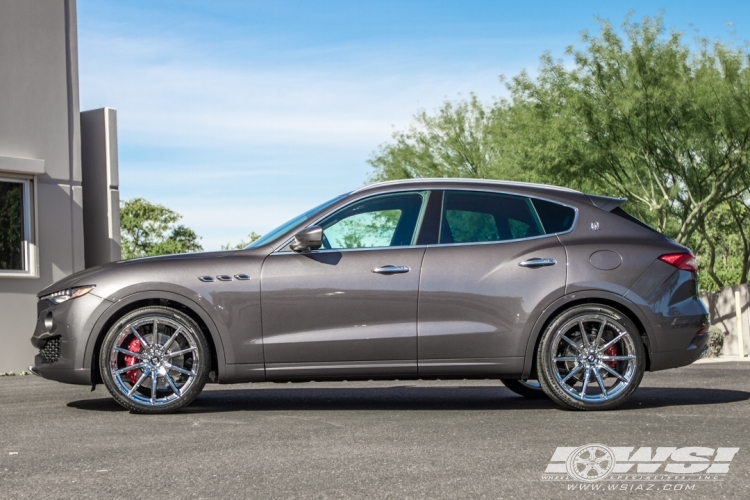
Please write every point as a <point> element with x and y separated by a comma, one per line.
<point>413,398</point>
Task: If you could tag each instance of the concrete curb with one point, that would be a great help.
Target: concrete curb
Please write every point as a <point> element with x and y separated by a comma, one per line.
<point>722,359</point>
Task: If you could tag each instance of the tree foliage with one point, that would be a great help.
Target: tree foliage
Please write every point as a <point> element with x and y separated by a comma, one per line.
<point>243,243</point>
<point>150,229</point>
<point>635,113</point>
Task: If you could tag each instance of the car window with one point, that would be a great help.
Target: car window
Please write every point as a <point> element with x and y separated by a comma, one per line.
<point>379,221</point>
<point>475,217</point>
<point>555,218</point>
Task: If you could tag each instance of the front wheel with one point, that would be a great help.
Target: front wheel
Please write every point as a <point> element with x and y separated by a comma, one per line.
<point>154,360</point>
<point>591,357</point>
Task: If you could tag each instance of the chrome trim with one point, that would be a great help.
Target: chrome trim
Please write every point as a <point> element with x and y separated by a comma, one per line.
<point>206,279</point>
<point>335,250</point>
<point>224,277</point>
<point>537,263</point>
<point>389,269</point>
<point>280,248</point>
<point>242,277</point>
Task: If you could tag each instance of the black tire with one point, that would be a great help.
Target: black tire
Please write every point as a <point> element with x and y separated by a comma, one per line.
<point>525,388</point>
<point>176,333</point>
<point>590,359</point>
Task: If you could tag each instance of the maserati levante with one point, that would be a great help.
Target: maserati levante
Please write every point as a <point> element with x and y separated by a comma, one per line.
<point>557,293</point>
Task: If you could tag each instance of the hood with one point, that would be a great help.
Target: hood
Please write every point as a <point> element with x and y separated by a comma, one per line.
<point>89,276</point>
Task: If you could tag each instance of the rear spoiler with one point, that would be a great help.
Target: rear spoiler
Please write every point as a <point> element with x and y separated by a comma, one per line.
<point>606,202</point>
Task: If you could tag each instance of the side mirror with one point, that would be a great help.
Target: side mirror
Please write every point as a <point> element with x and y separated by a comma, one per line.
<point>310,238</point>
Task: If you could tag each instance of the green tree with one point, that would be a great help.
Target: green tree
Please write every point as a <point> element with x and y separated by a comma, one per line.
<point>243,243</point>
<point>150,229</point>
<point>655,122</point>
<point>640,115</point>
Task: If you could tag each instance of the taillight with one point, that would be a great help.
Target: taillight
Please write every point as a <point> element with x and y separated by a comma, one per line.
<point>685,261</point>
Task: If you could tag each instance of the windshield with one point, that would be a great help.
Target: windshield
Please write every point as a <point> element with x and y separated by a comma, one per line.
<point>275,233</point>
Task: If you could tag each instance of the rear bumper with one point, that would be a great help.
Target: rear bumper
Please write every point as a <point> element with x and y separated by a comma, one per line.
<point>61,336</point>
<point>677,318</point>
<point>675,359</point>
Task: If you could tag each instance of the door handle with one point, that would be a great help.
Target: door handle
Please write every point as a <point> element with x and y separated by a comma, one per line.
<point>391,269</point>
<point>537,263</point>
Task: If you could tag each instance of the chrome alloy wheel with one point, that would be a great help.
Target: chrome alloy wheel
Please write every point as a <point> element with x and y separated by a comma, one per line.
<point>593,358</point>
<point>154,360</point>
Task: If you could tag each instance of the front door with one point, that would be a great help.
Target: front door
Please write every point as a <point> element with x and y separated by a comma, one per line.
<point>494,270</point>
<point>350,308</point>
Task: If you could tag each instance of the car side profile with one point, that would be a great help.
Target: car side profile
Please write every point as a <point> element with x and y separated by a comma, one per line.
<point>555,292</point>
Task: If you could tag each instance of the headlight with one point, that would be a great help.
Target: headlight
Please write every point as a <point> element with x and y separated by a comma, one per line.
<point>70,293</point>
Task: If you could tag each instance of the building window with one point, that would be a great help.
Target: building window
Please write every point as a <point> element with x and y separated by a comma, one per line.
<point>15,227</point>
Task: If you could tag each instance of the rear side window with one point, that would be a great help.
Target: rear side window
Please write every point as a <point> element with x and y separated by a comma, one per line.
<point>555,218</point>
<point>475,217</point>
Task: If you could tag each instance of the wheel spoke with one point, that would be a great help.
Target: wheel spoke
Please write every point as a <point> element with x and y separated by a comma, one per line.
<point>600,381</point>
<point>140,380</point>
<point>171,339</point>
<point>612,342</point>
<point>171,355</point>
<point>130,353</point>
<point>610,370</point>
<point>138,336</point>
<point>618,358</point>
<point>156,333</point>
<point>564,358</point>
<point>571,373</point>
<point>181,370</point>
<point>586,379</point>
<point>154,383</point>
<point>599,333</point>
<point>566,339</point>
<point>172,385</point>
<point>583,333</point>
<point>129,368</point>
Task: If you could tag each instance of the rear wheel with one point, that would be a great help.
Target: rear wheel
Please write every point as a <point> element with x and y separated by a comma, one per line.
<point>591,358</point>
<point>528,388</point>
<point>154,360</point>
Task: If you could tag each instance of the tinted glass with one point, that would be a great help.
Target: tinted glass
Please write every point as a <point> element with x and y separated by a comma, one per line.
<point>380,221</point>
<point>474,217</point>
<point>11,226</point>
<point>555,218</point>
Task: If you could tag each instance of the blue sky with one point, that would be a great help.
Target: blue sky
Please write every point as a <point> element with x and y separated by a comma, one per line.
<point>241,114</point>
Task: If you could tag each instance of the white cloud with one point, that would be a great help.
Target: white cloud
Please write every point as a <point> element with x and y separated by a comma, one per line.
<point>226,142</point>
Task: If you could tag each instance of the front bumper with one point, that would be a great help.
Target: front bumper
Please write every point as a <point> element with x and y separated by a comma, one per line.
<point>61,335</point>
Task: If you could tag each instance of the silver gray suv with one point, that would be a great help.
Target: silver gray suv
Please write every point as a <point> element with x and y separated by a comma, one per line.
<point>557,293</point>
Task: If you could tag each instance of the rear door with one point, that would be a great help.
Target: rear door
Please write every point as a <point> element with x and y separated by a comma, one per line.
<point>494,269</point>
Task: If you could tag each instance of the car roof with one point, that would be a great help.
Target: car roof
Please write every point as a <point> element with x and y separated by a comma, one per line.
<point>527,188</point>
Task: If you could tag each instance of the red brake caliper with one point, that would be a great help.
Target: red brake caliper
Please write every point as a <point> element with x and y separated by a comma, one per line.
<point>611,351</point>
<point>134,346</point>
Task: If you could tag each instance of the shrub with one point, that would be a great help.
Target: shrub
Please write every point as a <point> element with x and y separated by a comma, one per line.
<point>715,342</point>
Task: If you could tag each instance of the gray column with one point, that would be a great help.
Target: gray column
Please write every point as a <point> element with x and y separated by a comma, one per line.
<point>101,196</point>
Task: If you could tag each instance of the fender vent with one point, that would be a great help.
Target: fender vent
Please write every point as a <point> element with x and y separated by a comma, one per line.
<point>50,353</point>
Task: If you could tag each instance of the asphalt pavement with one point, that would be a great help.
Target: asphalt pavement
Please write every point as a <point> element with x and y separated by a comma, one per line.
<point>407,439</point>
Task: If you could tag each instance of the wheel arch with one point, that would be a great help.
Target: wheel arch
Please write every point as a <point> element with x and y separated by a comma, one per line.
<point>621,304</point>
<point>148,298</point>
